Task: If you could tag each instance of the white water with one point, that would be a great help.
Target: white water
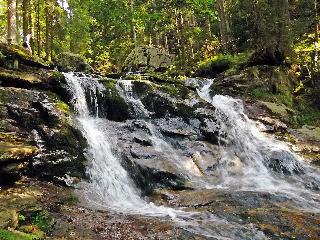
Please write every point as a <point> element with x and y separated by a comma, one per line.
<point>185,165</point>
<point>125,89</point>
<point>111,188</point>
<point>248,156</point>
<point>109,184</point>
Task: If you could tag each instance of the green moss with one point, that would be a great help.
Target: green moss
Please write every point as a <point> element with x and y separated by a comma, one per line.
<point>220,63</point>
<point>16,235</point>
<point>20,76</point>
<point>63,107</point>
<point>312,132</point>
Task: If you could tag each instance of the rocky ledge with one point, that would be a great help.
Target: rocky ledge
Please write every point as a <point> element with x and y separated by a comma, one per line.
<point>37,137</point>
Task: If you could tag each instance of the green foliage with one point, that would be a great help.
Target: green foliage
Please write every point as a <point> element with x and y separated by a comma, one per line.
<point>16,235</point>
<point>222,62</point>
<point>21,218</point>
<point>43,221</point>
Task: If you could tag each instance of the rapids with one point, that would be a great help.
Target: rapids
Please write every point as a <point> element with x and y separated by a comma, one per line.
<point>250,161</point>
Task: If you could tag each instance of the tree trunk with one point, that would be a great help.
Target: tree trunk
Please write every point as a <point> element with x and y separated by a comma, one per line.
<point>17,22</point>
<point>25,17</point>
<point>209,27</point>
<point>47,45</point>
<point>38,30</point>
<point>178,45</point>
<point>12,36</point>
<point>223,24</point>
<point>30,26</point>
<point>133,27</point>
<point>316,36</point>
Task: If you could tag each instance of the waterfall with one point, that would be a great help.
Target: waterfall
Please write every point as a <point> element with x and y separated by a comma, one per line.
<point>110,186</point>
<point>253,161</point>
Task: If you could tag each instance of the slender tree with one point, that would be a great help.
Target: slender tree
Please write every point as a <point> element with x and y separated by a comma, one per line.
<point>11,37</point>
<point>25,17</point>
<point>133,27</point>
<point>48,30</point>
<point>38,26</point>
<point>17,21</point>
<point>316,35</point>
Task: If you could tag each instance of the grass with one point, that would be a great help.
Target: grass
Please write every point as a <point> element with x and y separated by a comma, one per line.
<point>16,235</point>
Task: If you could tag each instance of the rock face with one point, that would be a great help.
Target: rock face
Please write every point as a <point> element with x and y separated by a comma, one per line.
<point>36,133</point>
<point>69,62</point>
<point>164,137</point>
<point>147,59</point>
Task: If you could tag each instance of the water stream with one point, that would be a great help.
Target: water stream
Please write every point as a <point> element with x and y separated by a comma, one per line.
<point>258,162</point>
<point>254,161</point>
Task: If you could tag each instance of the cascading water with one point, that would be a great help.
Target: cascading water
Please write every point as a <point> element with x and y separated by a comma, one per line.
<point>252,161</point>
<point>109,182</point>
<point>185,165</point>
<point>110,186</point>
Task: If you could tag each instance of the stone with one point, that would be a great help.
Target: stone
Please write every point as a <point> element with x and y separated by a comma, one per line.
<point>8,219</point>
<point>311,132</point>
<point>147,59</point>
<point>278,109</point>
<point>69,62</point>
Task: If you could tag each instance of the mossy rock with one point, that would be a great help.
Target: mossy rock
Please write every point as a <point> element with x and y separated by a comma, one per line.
<point>19,76</point>
<point>147,59</point>
<point>14,148</point>
<point>17,53</point>
<point>278,109</point>
<point>112,105</point>
<point>69,62</point>
<point>311,132</point>
<point>8,218</point>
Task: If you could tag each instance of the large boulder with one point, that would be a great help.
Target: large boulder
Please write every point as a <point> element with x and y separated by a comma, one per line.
<point>69,62</point>
<point>37,137</point>
<point>147,59</point>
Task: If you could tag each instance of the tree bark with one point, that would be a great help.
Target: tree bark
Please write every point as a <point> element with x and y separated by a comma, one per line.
<point>134,34</point>
<point>223,24</point>
<point>17,22</point>
<point>30,26</point>
<point>25,17</point>
<point>316,36</point>
<point>47,44</point>
<point>38,30</point>
<point>12,36</point>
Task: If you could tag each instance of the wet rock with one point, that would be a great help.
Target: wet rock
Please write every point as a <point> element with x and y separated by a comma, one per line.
<point>175,127</point>
<point>284,162</point>
<point>143,139</point>
<point>204,154</point>
<point>111,105</point>
<point>146,59</point>
<point>210,130</point>
<point>54,151</point>
<point>273,125</point>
